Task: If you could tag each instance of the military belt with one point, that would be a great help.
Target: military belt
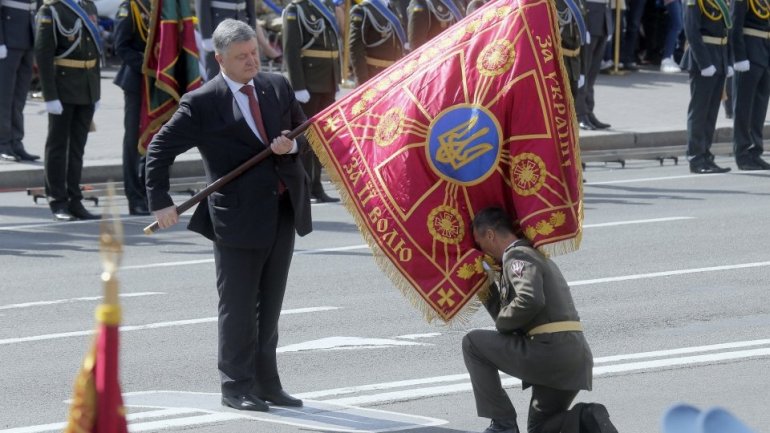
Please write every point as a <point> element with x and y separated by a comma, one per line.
<point>79,64</point>
<point>378,62</point>
<point>571,53</point>
<point>321,54</point>
<point>713,40</point>
<point>19,5</point>
<point>550,328</point>
<point>756,33</point>
<point>229,6</point>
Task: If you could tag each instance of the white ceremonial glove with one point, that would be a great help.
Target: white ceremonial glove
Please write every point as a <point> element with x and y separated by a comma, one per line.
<point>54,107</point>
<point>588,38</point>
<point>742,66</point>
<point>407,47</point>
<point>581,81</point>
<point>730,71</point>
<point>207,44</point>
<point>302,95</point>
<point>3,51</point>
<point>708,72</point>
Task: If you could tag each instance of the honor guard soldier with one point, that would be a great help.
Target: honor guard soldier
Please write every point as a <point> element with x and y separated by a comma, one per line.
<point>751,50</point>
<point>68,48</point>
<point>706,26</point>
<point>17,40</point>
<point>377,37</point>
<point>428,18</point>
<point>599,26</point>
<point>574,33</point>
<point>130,39</point>
<point>212,12</point>
<point>311,53</point>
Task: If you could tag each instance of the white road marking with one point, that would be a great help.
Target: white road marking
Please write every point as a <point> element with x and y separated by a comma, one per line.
<point>647,221</point>
<point>416,336</point>
<point>64,301</point>
<point>58,426</point>
<point>668,273</point>
<point>68,223</point>
<point>157,325</point>
<point>346,343</point>
<point>649,179</point>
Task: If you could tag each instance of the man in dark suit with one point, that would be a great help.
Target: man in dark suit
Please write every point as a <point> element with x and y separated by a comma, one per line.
<point>751,49</point>
<point>17,31</point>
<point>538,337</point>
<point>252,219</point>
<point>706,27</point>
<point>130,40</point>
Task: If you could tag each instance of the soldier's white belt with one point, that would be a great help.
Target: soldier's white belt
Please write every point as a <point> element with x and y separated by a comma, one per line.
<point>571,53</point>
<point>552,327</point>
<point>19,5</point>
<point>229,6</point>
<point>378,62</point>
<point>80,64</point>
<point>321,54</point>
<point>756,33</point>
<point>713,40</point>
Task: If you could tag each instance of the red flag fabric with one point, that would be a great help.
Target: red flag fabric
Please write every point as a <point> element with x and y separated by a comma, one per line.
<point>97,403</point>
<point>480,116</point>
<point>170,65</point>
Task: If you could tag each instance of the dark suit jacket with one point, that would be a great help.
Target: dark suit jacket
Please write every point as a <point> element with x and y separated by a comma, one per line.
<point>244,212</point>
<point>17,27</point>
<point>748,47</point>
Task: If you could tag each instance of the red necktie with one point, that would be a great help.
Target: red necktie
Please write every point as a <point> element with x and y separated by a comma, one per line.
<point>256,114</point>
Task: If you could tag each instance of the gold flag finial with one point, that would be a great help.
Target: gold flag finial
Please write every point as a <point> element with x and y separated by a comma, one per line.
<point>110,247</point>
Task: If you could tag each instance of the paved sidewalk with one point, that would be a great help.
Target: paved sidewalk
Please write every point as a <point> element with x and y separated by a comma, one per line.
<point>646,108</point>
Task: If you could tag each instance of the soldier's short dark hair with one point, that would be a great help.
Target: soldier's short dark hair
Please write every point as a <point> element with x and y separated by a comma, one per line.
<point>230,31</point>
<point>495,218</point>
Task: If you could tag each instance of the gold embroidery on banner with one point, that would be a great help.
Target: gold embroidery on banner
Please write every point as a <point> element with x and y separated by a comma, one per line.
<point>468,270</point>
<point>446,225</point>
<point>546,227</point>
<point>446,297</point>
<point>389,127</point>
<point>528,173</point>
<point>496,58</point>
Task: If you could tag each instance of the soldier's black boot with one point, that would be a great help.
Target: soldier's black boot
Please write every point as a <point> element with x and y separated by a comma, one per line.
<point>502,426</point>
<point>595,419</point>
<point>19,150</point>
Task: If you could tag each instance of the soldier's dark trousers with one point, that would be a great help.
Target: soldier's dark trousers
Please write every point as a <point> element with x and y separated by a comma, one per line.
<point>133,162</point>
<point>15,75</point>
<point>316,104</point>
<point>592,58</point>
<point>750,96</point>
<point>485,359</point>
<point>67,135</point>
<point>705,96</point>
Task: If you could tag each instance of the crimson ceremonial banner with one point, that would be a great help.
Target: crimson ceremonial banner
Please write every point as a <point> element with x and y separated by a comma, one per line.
<point>170,66</point>
<point>97,404</point>
<point>480,116</point>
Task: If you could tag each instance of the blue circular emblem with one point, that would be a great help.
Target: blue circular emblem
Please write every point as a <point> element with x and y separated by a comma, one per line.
<point>464,144</point>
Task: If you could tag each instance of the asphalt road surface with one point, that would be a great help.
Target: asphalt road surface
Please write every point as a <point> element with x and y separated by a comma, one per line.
<point>671,283</point>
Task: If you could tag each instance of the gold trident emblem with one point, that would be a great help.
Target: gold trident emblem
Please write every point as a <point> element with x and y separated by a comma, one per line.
<point>454,145</point>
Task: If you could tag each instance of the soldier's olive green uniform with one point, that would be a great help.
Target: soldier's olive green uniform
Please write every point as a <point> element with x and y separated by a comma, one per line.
<point>311,53</point>
<point>428,18</point>
<point>68,62</point>
<point>556,364</point>
<point>374,42</point>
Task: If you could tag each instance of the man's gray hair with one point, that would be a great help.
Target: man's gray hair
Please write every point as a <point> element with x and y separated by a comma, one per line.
<point>230,31</point>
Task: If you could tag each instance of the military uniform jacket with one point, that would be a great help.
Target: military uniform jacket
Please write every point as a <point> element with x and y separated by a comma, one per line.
<point>130,40</point>
<point>754,16</point>
<point>311,49</point>
<point>17,24</point>
<point>704,22</point>
<point>428,18</point>
<point>62,36</point>
<point>374,43</point>
<point>570,39</point>
<point>598,18</point>
<point>533,292</point>
<point>212,12</point>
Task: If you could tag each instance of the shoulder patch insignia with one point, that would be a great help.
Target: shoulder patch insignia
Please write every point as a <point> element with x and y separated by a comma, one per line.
<point>418,9</point>
<point>44,20</point>
<point>517,268</point>
<point>690,2</point>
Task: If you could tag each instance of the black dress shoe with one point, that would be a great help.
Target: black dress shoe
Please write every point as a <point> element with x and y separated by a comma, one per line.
<point>750,165</point>
<point>62,215</point>
<point>597,123</point>
<point>585,124</point>
<point>24,156</point>
<point>139,209</point>
<point>244,402</point>
<point>79,211</point>
<point>595,418</point>
<point>8,156</point>
<point>502,426</point>
<point>762,163</point>
<point>281,398</point>
<point>708,168</point>
<point>322,197</point>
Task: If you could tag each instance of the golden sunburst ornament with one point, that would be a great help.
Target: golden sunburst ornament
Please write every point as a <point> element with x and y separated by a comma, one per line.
<point>389,127</point>
<point>528,173</point>
<point>446,225</point>
<point>496,58</point>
